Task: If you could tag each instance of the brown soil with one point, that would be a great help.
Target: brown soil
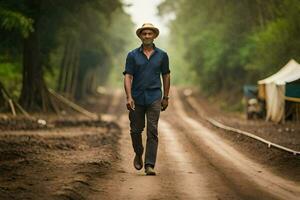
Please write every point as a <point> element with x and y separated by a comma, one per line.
<point>288,135</point>
<point>195,163</point>
<point>77,158</point>
<point>65,159</point>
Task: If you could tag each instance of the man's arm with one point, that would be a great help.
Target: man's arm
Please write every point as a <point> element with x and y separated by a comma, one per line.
<point>166,85</point>
<point>127,86</point>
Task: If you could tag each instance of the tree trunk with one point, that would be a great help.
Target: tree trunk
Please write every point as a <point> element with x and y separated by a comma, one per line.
<point>34,94</point>
<point>75,74</point>
<point>67,82</point>
<point>71,70</point>
<point>2,99</point>
<point>62,72</point>
<point>68,68</point>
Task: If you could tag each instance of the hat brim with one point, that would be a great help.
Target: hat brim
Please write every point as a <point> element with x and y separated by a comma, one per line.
<point>139,30</point>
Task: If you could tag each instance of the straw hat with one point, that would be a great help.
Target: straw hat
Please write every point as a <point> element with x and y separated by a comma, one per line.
<point>147,26</point>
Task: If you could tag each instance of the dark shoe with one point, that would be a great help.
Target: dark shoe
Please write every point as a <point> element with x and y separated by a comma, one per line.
<point>150,171</point>
<point>138,162</point>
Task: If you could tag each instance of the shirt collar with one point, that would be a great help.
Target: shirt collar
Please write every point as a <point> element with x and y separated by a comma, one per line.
<point>141,47</point>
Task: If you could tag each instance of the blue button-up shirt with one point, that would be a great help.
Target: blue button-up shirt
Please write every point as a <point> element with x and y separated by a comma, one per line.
<point>146,83</point>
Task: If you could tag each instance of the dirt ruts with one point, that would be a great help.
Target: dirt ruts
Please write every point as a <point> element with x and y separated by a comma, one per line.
<point>60,163</point>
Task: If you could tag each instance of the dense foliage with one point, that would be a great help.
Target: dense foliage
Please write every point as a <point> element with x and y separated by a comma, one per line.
<point>233,42</point>
<point>67,45</point>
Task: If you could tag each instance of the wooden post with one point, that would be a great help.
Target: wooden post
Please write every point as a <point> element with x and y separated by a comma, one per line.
<point>11,103</point>
<point>73,105</point>
<point>12,107</point>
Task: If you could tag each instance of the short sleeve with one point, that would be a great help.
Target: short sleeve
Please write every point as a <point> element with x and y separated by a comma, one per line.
<point>129,65</point>
<point>165,64</point>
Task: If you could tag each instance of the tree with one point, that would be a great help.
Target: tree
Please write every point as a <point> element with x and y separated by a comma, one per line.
<point>230,43</point>
<point>35,26</point>
<point>89,49</point>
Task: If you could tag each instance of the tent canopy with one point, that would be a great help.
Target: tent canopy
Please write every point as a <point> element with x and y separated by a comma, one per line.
<point>289,73</point>
<point>273,89</point>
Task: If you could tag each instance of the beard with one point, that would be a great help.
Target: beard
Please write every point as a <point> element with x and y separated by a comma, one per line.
<point>147,42</point>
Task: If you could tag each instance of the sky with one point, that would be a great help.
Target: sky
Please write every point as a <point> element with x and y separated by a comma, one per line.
<point>142,11</point>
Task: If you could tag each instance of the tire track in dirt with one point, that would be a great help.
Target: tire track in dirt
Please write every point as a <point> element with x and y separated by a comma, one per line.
<point>248,179</point>
<point>64,162</point>
<point>127,183</point>
<point>190,184</point>
<point>178,177</point>
<point>192,164</point>
<point>44,165</point>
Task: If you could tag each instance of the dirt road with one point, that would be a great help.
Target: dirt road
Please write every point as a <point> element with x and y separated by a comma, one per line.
<point>95,162</point>
<point>193,163</point>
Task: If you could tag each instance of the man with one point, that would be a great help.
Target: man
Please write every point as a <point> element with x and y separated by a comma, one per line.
<point>142,83</point>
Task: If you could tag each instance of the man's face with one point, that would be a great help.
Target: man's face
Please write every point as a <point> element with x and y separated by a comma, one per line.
<point>147,36</point>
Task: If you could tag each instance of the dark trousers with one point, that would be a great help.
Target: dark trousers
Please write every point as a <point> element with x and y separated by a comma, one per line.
<point>137,125</point>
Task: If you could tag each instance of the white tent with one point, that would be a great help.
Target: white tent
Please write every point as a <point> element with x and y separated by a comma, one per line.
<point>273,89</point>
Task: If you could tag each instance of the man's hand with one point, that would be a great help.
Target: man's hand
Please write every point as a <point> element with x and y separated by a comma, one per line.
<point>164,104</point>
<point>130,104</point>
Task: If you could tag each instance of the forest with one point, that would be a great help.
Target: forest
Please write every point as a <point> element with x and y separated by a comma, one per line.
<point>67,46</point>
<point>221,45</point>
<point>74,46</point>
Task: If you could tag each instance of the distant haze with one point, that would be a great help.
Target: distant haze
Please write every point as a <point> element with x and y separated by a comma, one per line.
<point>142,11</point>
